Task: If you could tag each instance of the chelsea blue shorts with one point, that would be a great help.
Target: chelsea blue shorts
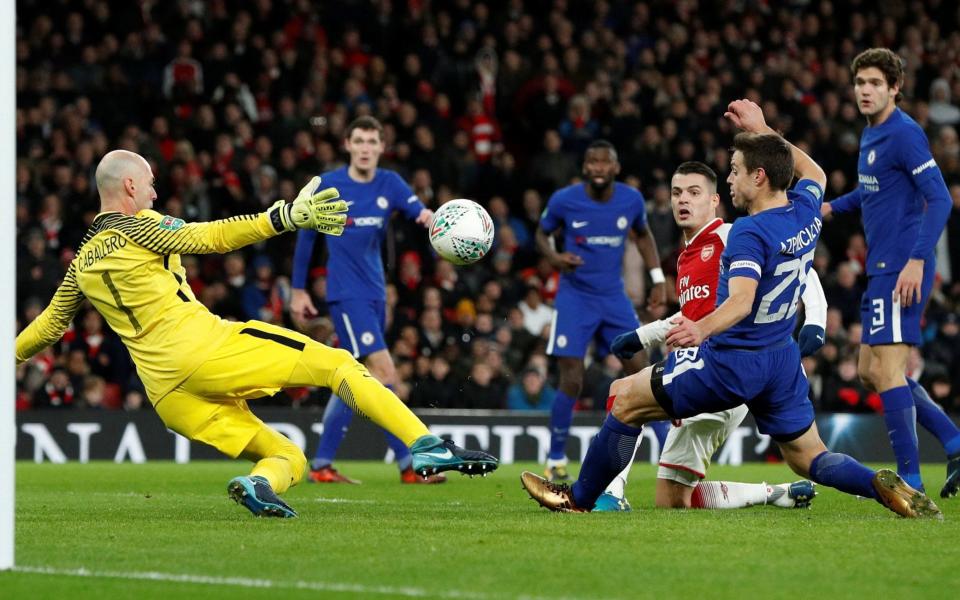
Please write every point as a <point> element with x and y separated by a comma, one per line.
<point>883,320</point>
<point>582,317</point>
<point>770,381</point>
<point>359,325</point>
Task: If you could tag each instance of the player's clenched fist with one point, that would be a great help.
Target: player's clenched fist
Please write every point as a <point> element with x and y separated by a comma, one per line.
<point>313,208</point>
<point>747,115</point>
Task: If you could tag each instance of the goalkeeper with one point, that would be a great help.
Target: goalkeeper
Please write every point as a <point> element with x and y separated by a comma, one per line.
<point>198,369</point>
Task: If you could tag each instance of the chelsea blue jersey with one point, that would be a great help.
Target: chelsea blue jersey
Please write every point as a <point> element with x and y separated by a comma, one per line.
<point>894,162</point>
<point>354,263</point>
<point>775,247</point>
<point>595,231</point>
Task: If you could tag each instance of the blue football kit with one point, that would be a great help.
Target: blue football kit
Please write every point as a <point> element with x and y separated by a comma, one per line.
<point>356,290</point>
<point>756,361</point>
<point>899,181</point>
<point>355,278</point>
<point>904,205</point>
<point>591,302</point>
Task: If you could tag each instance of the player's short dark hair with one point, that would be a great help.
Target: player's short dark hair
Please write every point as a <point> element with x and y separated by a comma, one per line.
<point>603,144</point>
<point>889,63</point>
<point>769,152</point>
<point>367,123</point>
<point>695,167</point>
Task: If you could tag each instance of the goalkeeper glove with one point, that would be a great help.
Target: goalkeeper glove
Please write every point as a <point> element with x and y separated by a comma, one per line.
<point>318,210</point>
<point>811,339</point>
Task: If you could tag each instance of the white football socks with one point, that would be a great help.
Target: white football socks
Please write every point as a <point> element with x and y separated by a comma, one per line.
<point>728,494</point>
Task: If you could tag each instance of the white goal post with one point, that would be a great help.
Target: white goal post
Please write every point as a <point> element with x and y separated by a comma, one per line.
<point>8,270</point>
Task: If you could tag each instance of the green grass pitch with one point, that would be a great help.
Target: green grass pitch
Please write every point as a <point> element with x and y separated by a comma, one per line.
<point>161,530</point>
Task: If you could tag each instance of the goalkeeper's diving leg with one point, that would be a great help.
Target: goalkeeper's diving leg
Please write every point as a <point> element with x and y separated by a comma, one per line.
<point>320,365</point>
<point>259,359</point>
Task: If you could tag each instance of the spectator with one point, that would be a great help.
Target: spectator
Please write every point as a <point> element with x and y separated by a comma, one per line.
<point>537,316</point>
<point>437,389</point>
<point>56,393</point>
<point>479,390</point>
<point>94,392</point>
<point>661,221</point>
<point>183,77</point>
<point>579,128</point>
<point>945,347</point>
<point>942,112</point>
<point>37,271</point>
<point>843,391</point>
<point>552,168</point>
<point>264,297</point>
<point>532,392</point>
<point>844,294</point>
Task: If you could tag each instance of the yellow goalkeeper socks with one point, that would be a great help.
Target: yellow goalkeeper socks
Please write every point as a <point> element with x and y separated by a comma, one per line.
<point>277,459</point>
<point>347,378</point>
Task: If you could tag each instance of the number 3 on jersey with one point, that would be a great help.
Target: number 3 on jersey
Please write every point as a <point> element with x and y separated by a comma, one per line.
<point>795,269</point>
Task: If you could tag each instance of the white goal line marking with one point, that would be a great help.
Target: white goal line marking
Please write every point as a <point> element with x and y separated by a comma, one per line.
<point>248,582</point>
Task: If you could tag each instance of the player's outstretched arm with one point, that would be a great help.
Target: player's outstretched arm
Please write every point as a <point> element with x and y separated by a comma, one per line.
<point>739,303</point>
<point>747,115</point>
<point>49,325</point>
<point>166,235</point>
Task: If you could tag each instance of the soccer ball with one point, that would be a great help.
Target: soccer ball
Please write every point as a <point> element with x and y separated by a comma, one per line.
<point>462,232</point>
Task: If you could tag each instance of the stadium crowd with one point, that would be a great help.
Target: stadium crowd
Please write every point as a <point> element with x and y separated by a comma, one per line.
<point>238,103</point>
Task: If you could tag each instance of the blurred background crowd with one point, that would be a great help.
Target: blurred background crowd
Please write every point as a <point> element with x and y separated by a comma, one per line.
<point>238,103</point>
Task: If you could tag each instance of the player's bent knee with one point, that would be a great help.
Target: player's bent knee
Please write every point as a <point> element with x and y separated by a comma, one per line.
<point>620,387</point>
<point>624,402</point>
<point>634,402</point>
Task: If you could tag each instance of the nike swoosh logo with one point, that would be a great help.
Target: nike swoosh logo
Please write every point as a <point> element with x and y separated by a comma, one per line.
<point>873,330</point>
<point>412,199</point>
<point>579,224</point>
<point>349,202</point>
<point>820,337</point>
<point>444,455</point>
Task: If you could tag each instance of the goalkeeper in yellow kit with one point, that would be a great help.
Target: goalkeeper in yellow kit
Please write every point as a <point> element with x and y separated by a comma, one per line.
<point>198,369</point>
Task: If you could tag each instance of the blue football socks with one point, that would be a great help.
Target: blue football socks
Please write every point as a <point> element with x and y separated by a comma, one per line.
<point>561,416</point>
<point>609,453</point>
<point>932,418</point>
<point>841,472</point>
<point>336,421</point>
<point>901,418</point>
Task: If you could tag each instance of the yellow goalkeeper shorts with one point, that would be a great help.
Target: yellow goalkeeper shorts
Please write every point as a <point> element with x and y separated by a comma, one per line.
<point>255,361</point>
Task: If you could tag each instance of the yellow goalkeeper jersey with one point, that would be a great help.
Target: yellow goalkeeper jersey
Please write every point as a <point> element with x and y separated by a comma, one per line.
<point>129,268</point>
